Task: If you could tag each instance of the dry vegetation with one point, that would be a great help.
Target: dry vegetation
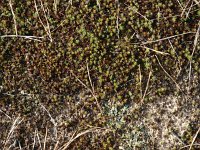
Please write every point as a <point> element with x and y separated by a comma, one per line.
<point>99,74</point>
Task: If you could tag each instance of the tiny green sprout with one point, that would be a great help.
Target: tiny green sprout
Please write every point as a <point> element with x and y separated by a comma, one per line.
<point>198,13</point>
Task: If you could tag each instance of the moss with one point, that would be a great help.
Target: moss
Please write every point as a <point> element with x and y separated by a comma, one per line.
<point>111,41</point>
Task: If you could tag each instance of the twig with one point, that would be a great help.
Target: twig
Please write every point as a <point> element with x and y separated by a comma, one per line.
<point>24,36</point>
<point>140,76</point>
<point>187,14</point>
<point>47,22</point>
<point>90,90</point>
<point>38,139</point>
<point>147,86</point>
<point>16,122</point>
<point>55,4</point>
<point>117,20</point>
<point>180,4</point>
<point>189,146</point>
<point>194,48</point>
<point>65,146</point>
<point>5,114</point>
<point>178,137</point>
<point>56,145</point>
<point>185,8</point>
<point>34,140</point>
<point>20,147</point>
<point>46,27</point>
<point>168,74</point>
<point>51,119</point>
<point>159,52</point>
<point>45,139</point>
<point>138,13</point>
<point>98,4</point>
<point>198,3</point>
<point>194,138</point>
<point>14,17</point>
<point>71,2</point>
<point>166,38</point>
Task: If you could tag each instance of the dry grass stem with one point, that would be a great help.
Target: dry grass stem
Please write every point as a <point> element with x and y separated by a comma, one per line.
<point>147,86</point>
<point>14,17</point>
<point>89,89</point>
<point>194,48</point>
<point>56,145</point>
<point>5,114</point>
<point>38,137</point>
<point>46,27</point>
<point>117,20</point>
<point>166,38</point>
<point>180,4</point>
<point>45,139</point>
<point>52,120</point>
<point>189,146</point>
<point>188,12</point>
<point>194,138</point>
<point>24,36</point>
<point>34,140</point>
<point>168,74</point>
<point>16,122</point>
<point>65,146</point>
<point>197,3</point>
<point>98,4</point>
<point>140,77</point>
<point>141,15</point>
<point>184,9</point>
<point>55,5</point>
<point>151,49</point>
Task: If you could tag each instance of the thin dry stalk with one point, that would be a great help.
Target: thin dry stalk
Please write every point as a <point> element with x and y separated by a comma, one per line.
<point>23,36</point>
<point>34,140</point>
<point>16,122</point>
<point>47,22</point>
<point>189,146</point>
<point>20,147</point>
<point>133,9</point>
<point>46,27</point>
<point>140,77</point>
<point>98,4</point>
<point>166,38</point>
<point>38,137</point>
<point>71,2</point>
<point>56,145</point>
<point>14,17</point>
<point>45,139</point>
<point>184,9</point>
<point>180,4</point>
<point>65,146</point>
<point>194,138</point>
<point>90,90</point>
<point>91,84</point>
<point>178,137</point>
<point>117,20</point>
<point>55,5</point>
<point>147,86</point>
<point>167,17</point>
<point>194,48</point>
<point>158,52</point>
<point>168,74</point>
<point>197,3</point>
<point>5,114</point>
<point>187,14</point>
<point>51,119</point>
